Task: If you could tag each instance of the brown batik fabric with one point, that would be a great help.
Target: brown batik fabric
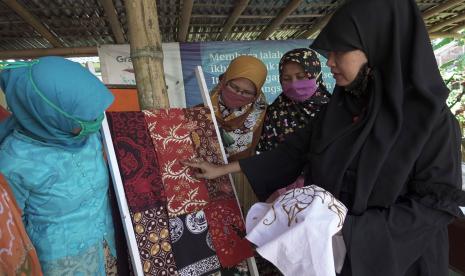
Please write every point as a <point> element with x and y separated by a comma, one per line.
<point>153,240</point>
<point>208,149</point>
<point>111,268</point>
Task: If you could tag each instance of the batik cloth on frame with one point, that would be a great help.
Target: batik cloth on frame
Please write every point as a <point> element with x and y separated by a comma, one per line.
<point>192,245</point>
<point>173,213</point>
<point>153,241</point>
<point>137,160</point>
<point>170,133</point>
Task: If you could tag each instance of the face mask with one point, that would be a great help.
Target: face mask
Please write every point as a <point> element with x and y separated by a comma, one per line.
<point>300,90</point>
<point>87,127</point>
<point>233,100</point>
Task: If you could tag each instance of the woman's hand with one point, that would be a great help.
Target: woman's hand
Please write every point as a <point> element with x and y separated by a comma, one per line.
<point>212,171</point>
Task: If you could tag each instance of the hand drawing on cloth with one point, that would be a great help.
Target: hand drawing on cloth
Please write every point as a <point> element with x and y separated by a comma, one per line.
<point>137,160</point>
<point>189,233</point>
<point>228,232</point>
<point>170,134</point>
<point>153,240</point>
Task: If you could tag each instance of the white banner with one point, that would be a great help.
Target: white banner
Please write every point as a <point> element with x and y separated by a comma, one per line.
<point>116,66</point>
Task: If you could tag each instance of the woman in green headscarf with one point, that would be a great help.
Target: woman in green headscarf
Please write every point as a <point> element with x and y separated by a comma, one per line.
<point>51,155</point>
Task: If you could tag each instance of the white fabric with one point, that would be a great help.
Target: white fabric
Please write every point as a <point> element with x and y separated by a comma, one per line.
<point>296,231</point>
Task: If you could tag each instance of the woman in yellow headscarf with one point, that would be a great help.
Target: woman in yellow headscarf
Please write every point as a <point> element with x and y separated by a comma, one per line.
<point>240,105</point>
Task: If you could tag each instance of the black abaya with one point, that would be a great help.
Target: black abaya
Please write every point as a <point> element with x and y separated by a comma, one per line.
<point>398,167</point>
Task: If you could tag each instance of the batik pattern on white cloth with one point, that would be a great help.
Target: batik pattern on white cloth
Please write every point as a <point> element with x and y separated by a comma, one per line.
<point>295,232</point>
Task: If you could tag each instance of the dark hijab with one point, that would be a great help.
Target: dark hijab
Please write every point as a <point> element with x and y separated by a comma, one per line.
<point>405,107</point>
<point>284,115</point>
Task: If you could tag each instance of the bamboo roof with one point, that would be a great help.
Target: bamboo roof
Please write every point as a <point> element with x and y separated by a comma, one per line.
<point>43,24</point>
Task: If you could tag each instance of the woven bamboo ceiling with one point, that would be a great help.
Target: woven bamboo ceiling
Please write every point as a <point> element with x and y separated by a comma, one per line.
<point>32,24</point>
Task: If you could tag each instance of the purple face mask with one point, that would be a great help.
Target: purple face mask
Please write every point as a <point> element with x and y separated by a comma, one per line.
<point>300,90</point>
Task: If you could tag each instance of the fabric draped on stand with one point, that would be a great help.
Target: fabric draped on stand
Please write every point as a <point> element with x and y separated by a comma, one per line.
<point>170,134</point>
<point>137,161</point>
<point>190,233</point>
<point>170,208</point>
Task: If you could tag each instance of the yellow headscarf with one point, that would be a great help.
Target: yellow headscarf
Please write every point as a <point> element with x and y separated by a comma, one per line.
<point>249,118</point>
<point>247,67</point>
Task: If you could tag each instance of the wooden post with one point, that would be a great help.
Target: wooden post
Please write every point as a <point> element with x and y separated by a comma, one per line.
<point>146,53</point>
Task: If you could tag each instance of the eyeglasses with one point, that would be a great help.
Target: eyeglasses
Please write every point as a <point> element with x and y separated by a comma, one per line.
<point>243,92</point>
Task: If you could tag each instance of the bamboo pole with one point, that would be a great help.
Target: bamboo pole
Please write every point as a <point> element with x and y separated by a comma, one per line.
<point>236,13</point>
<point>146,53</point>
<point>34,22</point>
<point>291,7</point>
<point>440,8</point>
<point>40,52</point>
<point>185,20</point>
<point>112,16</point>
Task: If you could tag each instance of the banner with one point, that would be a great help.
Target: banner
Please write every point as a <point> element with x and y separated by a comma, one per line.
<point>180,59</point>
<point>116,66</point>
<point>214,57</point>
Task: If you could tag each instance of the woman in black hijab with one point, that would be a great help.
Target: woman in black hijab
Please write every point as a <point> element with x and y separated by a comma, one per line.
<point>386,145</point>
<point>304,95</point>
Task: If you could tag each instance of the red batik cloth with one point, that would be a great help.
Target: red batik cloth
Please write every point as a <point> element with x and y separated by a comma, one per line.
<point>171,136</point>
<point>228,231</point>
<point>137,160</point>
<point>153,241</point>
<point>207,148</point>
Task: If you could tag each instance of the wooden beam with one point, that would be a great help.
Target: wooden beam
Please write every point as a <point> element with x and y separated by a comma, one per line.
<point>112,16</point>
<point>278,20</point>
<point>34,22</point>
<point>457,28</point>
<point>440,8</point>
<point>185,20</point>
<point>447,22</point>
<point>445,34</point>
<point>310,33</point>
<point>40,52</point>
<point>238,9</point>
<point>307,15</point>
<point>146,53</point>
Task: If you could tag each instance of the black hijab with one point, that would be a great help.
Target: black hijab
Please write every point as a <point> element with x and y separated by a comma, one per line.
<point>405,106</point>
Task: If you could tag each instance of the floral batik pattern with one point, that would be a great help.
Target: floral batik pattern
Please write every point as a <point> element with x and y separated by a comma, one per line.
<point>137,160</point>
<point>171,136</point>
<point>192,245</point>
<point>153,240</point>
<point>208,149</point>
<point>228,232</point>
